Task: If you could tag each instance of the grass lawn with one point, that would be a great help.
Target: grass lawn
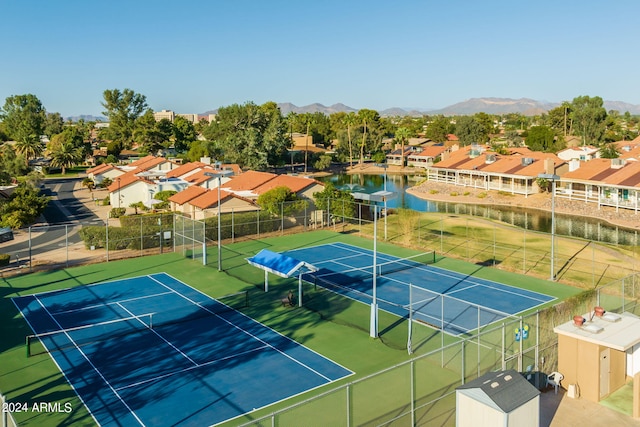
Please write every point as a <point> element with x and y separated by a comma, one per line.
<point>37,379</point>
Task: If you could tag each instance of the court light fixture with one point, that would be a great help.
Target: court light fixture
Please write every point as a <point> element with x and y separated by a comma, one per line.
<point>219,175</point>
<point>553,178</point>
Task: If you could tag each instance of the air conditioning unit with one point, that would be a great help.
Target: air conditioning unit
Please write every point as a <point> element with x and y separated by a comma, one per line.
<point>490,158</point>
<point>526,161</point>
<point>617,163</point>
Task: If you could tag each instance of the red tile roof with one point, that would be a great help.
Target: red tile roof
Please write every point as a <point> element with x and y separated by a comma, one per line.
<point>248,181</point>
<point>210,199</point>
<point>187,194</point>
<point>294,183</point>
<point>126,179</point>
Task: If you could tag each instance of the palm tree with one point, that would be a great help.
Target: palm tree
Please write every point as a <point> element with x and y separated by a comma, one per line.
<point>402,135</point>
<point>65,156</point>
<point>88,182</point>
<point>350,120</point>
<point>367,117</point>
<point>30,147</point>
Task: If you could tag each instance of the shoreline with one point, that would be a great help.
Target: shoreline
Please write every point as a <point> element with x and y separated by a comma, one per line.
<point>440,192</point>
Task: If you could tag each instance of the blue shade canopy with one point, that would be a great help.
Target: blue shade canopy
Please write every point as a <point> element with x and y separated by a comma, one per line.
<point>278,264</point>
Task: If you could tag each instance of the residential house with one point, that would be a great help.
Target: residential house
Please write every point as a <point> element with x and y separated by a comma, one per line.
<point>606,182</point>
<point>199,203</point>
<point>397,158</point>
<point>200,173</point>
<point>477,166</point>
<point>99,173</point>
<point>583,153</point>
<point>427,156</point>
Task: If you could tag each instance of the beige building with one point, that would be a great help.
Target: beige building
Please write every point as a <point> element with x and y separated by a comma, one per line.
<point>164,114</point>
<point>597,354</point>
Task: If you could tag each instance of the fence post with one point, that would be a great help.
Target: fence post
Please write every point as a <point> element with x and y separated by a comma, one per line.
<point>66,242</point>
<point>349,415</point>
<point>412,372</point>
<point>29,248</point>
<point>282,218</point>
<point>504,361</point>
<point>441,234</point>
<point>328,212</point>
<point>258,225</point>
<point>106,245</point>
<point>462,358</point>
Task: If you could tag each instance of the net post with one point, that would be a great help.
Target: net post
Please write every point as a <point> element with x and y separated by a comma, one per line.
<point>150,320</point>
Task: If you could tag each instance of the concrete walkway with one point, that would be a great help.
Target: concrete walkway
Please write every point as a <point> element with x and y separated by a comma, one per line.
<point>559,410</point>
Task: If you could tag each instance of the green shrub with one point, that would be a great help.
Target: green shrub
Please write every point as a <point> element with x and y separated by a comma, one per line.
<point>453,193</point>
<point>466,193</point>
<point>482,195</point>
<point>433,191</point>
<point>5,259</point>
<point>117,212</point>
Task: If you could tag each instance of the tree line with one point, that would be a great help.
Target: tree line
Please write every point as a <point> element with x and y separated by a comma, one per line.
<point>259,136</point>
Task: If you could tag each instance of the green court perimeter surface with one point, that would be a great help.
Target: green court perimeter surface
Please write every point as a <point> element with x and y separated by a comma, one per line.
<point>37,379</point>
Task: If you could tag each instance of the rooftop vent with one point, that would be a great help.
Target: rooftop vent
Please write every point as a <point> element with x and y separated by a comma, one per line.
<point>617,163</point>
<point>594,329</point>
<point>611,317</point>
<point>490,158</point>
<point>526,161</point>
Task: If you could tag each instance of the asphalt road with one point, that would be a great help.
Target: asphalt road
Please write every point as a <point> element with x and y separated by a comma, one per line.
<point>58,226</point>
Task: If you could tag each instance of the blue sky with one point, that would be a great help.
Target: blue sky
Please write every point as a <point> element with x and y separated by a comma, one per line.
<point>191,57</point>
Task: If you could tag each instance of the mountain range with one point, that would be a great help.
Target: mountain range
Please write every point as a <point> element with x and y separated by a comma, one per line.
<point>525,106</point>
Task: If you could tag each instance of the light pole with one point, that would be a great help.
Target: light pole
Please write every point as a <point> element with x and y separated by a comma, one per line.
<point>385,166</point>
<point>219,175</point>
<point>553,178</point>
<point>379,196</point>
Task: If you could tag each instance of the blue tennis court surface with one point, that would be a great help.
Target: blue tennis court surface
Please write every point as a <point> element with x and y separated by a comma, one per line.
<point>451,301</point>
<point>157,352</point>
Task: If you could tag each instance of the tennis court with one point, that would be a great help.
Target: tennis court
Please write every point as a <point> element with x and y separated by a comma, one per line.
<point>152,350</point>
<point>448,300</point>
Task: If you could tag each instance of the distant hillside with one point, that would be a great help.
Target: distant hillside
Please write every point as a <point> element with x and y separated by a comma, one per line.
<point>525,106</point>
<point>528,107</point>
<point>87,118</point>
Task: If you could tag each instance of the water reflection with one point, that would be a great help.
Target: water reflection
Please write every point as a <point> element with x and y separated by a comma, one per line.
<point>530,219</point>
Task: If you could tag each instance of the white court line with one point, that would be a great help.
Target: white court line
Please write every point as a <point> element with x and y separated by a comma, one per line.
<point>89,307</point>
<point>54,360</point>
<point>92,365</point>
<point>191,368</point>
<point>244,331</point>
<point>161,337</point>
<point>485,282</point>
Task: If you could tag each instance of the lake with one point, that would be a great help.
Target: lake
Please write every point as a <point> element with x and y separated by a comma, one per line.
<point>530,219</point>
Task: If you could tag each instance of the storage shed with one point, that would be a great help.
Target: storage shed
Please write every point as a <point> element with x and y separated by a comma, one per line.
<point>599,354</point>
<point>503,398</point>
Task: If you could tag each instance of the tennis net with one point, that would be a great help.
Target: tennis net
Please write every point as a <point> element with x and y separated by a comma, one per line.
<point>63,339</point>
<point>86,334</point>
<point>382,269</point>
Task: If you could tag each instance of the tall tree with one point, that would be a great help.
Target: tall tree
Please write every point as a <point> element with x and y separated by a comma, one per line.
<point>67,149</point>
<point>53,124</point>
<point>350,121</point>
<point>24,118</point>
<point>439,129</point>
<point>147,133</point>
<point>543,138</point>
<point>367,118</point>
<point>469,131</point>
<point>252,136</point>
<point>11,165</point>
<point>184,133</point>
<point>402,135</point>
<point>122,108</point>
<point>589,116</point>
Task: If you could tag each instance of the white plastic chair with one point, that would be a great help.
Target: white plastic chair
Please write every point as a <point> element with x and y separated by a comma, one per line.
<point>554,379</point>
